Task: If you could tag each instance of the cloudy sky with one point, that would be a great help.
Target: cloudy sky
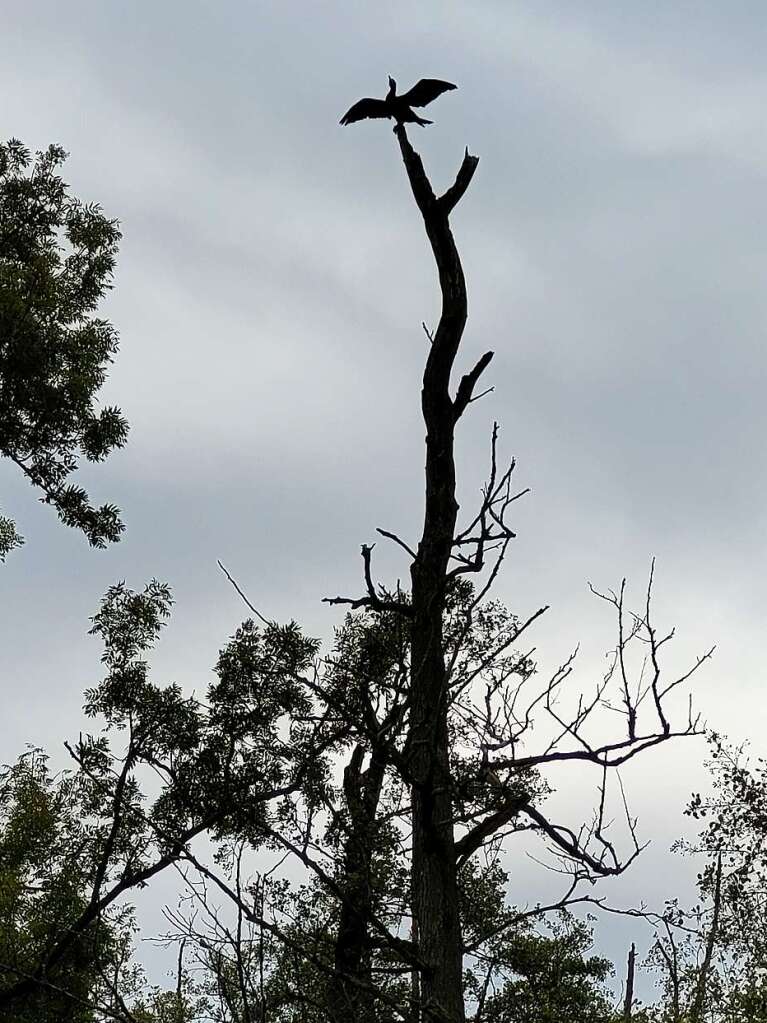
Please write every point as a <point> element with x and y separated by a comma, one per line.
<point>272,282</point>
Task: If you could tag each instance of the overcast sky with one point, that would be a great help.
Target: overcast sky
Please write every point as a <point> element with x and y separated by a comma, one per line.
<point>270,290</point>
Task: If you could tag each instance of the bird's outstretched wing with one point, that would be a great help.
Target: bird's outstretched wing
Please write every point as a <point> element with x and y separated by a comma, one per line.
<point>365,108</point>
<point>425,91</point>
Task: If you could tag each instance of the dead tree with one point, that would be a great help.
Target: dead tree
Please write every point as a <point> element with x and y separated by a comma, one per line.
<point>435,894</point>
<point>501,729</point>
<point>628,1001</point>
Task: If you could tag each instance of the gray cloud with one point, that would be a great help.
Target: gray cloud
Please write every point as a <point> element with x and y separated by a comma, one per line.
<point>271,287</point>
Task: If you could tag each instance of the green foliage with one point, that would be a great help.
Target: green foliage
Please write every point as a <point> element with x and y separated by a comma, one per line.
<point>50,850</point>
<point>10,538</point>
<point>524,971</point>
<point>719,946</point>
<point>747,1002</point>
<point>185,1004</point>
<point>217,758</point>
<point>283,966</point>
<point>57,256</point>
<point>44,871</point>
<point>163,769</point>
<point>550,977</point>
<point>252,766</point>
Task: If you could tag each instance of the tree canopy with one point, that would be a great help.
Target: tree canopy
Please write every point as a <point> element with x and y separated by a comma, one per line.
<point>57,257</point>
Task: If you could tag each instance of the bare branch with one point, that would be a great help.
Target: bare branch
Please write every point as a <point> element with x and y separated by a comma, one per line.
<point>468,383</point>
<point>255,610</point>
<point>396,539</point>
<point>455,193</point>
<point>372,600</point>
<point>473,839</point>
<point>565,840</point>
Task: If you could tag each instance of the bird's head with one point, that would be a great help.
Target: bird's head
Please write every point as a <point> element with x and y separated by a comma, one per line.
<point>392,88</point>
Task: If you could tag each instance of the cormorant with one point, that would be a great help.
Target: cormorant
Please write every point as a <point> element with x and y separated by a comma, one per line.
<point>396,106</point>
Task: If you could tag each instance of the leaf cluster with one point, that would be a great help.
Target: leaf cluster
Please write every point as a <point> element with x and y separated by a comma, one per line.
<point>57,258</point>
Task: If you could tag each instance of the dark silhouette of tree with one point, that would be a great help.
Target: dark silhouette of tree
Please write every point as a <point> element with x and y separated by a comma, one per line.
<point>495,727</point>
<point>57,255</point>
<point>392,772</point>
<point>528,974</point>
<point>216,768</point>
<point>41,882</point>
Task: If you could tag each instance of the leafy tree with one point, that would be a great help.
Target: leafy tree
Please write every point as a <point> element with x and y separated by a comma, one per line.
<point>249,767</point>
<point>719,968</point>
<point>223,766</point>
<point>711,958</point>
<point>548,978</point>
<point>44,866</point>
<point>344,945</point>
<point>57,255</point>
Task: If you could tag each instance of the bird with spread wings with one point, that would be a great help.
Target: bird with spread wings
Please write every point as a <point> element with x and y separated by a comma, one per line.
<point>399,107</point>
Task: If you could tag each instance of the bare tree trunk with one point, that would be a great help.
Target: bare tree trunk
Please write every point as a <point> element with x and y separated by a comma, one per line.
<point>629,999</point>
<point>435,891</point>
<point>699,998</point>
<point>672,965</point>
<point>352,1003</point>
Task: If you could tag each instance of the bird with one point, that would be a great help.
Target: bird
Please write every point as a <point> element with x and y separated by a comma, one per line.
<point>398,107</point>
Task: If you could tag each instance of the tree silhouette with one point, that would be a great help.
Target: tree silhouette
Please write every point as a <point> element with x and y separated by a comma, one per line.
<point>57,255</point>
<point>494,725</point>
<point>392,772</point>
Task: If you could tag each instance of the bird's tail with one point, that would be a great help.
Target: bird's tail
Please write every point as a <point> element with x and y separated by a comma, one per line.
<point>421,120</point>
